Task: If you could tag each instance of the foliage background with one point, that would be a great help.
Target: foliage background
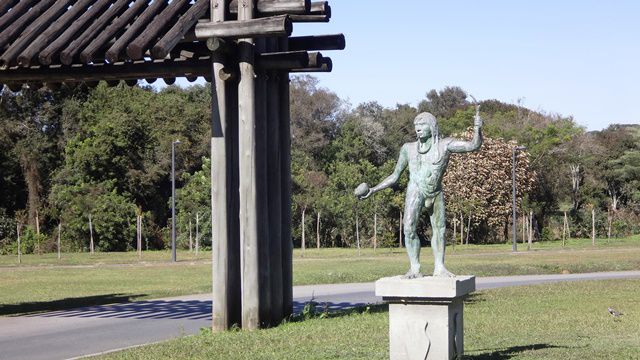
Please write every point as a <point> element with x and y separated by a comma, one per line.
<point>106,151</point>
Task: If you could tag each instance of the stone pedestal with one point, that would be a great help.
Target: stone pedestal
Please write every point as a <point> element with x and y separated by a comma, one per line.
<point>425,315</point>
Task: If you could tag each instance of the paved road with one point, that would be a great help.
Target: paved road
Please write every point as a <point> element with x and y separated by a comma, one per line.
<point>94,329</point>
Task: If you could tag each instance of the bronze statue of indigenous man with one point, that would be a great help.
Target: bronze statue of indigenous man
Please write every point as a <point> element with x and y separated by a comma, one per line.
<point>427,159</point>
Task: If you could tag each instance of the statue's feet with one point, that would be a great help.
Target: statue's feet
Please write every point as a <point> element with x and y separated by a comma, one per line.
<point>413,273</point>
<point>441,271</point>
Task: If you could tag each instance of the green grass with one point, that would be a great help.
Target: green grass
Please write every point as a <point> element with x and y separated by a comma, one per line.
<point>40,284</point>
<point>555,321</point>
<point>102,258</point>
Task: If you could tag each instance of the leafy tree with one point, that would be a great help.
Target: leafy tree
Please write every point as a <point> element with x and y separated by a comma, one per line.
<point>444,103</point>
<point>194,199</point>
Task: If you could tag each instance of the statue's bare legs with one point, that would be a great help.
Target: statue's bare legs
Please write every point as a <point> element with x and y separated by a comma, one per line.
<point>412,207</point>
<point>438,240</point>
<point>414,204</point>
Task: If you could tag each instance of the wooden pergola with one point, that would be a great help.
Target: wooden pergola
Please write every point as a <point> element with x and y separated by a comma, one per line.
<point>245,48</point>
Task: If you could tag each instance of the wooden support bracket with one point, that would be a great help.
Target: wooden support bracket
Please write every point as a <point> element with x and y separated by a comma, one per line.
<point>262,27</point>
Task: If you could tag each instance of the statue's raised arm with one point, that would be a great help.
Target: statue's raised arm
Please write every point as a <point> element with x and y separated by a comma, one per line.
<point>460,146</point>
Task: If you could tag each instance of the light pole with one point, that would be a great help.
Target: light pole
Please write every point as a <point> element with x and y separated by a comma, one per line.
<point>513,184</point>
<point>173,200</point>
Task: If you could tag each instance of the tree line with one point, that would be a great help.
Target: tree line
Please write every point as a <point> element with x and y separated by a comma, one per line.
<point>105,152</point>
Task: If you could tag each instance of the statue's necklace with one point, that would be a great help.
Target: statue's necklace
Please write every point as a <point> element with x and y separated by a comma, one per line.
<point>423,152</point>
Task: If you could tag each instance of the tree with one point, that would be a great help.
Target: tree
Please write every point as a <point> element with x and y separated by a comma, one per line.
<point>316,113</point>
<point>444,103</point>
<point>194,199</point>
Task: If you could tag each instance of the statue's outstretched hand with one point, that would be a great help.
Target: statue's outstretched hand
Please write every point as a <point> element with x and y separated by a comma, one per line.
<point>362,191</point>
<point>369,193</point>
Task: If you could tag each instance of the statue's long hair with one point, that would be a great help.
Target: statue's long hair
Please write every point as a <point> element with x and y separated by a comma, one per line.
<point>433,126</point>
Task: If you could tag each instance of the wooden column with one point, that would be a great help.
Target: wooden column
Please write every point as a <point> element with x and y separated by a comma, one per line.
<point>224,190</point>
<point>249,232</point>
<point>264,266</point>
<point>274,184</point>
<point>285,148</point>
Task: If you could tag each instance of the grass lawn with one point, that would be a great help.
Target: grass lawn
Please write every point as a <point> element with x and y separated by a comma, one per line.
<point>555,321</point>
<point>102,258</point>
<point>44,283</point>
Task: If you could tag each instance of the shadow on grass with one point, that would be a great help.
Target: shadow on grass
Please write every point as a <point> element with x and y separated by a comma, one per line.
<point>474,298</point>
<point>313,310</point>
<point>63,304</point>
<point>508,353</point>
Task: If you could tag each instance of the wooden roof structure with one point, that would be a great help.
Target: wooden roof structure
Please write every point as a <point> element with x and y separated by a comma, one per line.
<point>49,42</point>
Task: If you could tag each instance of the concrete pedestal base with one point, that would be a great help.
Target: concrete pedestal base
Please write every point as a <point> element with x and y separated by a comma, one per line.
<point>425,316</point>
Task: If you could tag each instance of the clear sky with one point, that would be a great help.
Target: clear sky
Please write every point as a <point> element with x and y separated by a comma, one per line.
<point>576,58</point>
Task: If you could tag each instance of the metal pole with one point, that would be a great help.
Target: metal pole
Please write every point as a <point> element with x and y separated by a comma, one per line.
<point>513,183</point>
<point>173,200</point>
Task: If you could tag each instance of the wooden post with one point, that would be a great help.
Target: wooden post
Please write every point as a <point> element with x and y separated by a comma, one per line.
<point>190,237</point>
<point>455,224</point>
<point>375,231</point>
<point>461,229</point>
<point>564,228</point>
<point>609,221</point>
<point>139,239</point>
<point>224,188</point>
<point>357,232</point>
<point>90,235</point>
<point>37,233</point>
<point>530,229</point>
<point>468,228</point>
<point>249,232</point>
<point>318,231</point>
<point>303,240</point>
<point>285,146</point>
<point>593,226</point>
<point>197,233</point>
<point>37,225</point>
<point>262,187</point>
<point>59,231</point>
<point>400,232</point>
<point>274,184</point>
<point>524,238</point>
<point>19,245</point>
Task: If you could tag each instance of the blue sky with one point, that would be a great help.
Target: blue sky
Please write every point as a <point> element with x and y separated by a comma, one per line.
<point>576,58</point>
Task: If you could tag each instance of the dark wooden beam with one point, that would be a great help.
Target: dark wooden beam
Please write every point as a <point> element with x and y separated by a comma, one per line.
<point>123,71</point>
<point>325,65</point>
<point>47,55</point>
<point>9,57</point>
<point>115,51</point>
<point>162,48</point>
<point>315,60</point>
<point>283,60</point>
<point>320,8</point>
<point>322,42</point>
<point>5,5</point>
<point>57,27</point>
<point>137,48</point>
<point>270,26</point>
<point>276,7</point>
<point>8,18</point>
<point>69,53</point>
<point>274,187</point>
<point>310,18</point>
<point>117,26</point>
<point>285,166</point>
